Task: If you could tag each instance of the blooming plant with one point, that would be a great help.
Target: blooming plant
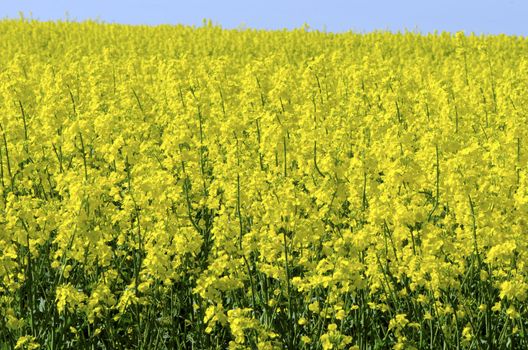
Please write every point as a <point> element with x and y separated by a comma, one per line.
<point>173,187</point>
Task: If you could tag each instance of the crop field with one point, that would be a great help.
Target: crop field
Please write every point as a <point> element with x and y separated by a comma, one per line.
<point>177,187</point>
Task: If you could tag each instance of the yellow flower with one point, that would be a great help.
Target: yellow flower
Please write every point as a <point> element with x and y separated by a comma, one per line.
<point>512,312</point>
<point>398,322</point>
<point>341,314</point>
<point>68,298</point>
<point>314,307</point>
<point>27,342</point>
<point>496,307</point>
<point>306,340</point>
<point>467,334</point>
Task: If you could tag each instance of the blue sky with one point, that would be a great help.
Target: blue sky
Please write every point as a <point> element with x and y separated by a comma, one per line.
<point>479,16</point>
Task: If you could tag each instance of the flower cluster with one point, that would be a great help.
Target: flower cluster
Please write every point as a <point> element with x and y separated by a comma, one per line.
<point>177,187</point>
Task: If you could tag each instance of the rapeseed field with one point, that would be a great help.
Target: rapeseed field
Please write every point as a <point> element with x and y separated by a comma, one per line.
<point>178,187</point>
